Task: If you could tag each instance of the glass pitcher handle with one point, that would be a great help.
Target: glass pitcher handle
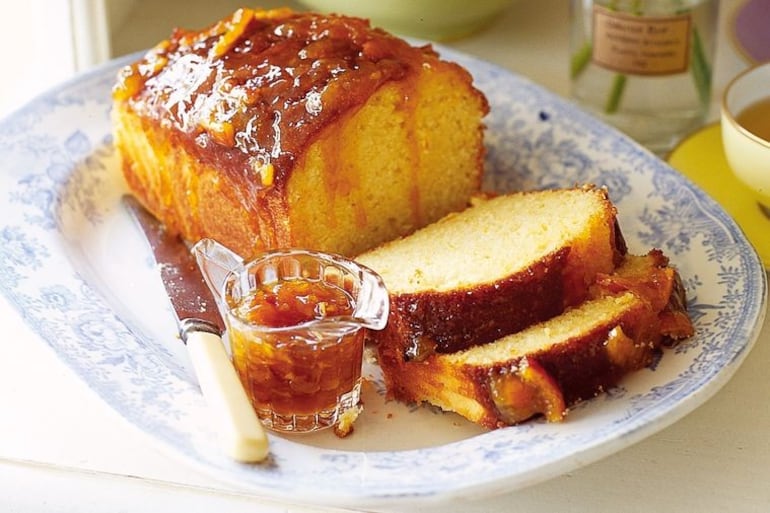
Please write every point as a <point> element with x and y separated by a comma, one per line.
<point>373,300</point>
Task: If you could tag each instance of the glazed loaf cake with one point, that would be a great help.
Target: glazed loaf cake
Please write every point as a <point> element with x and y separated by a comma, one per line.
<point>277,128</point>
<point>549,366</point>
<point>499,266</point>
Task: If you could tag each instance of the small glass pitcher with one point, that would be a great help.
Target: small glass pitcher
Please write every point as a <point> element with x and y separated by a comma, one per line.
<point>296,321</point>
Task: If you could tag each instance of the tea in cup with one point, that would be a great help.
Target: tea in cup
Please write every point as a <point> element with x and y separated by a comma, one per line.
<point>745,126</point>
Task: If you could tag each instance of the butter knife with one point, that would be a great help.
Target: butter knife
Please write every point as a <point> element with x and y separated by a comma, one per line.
<point>241,434</point>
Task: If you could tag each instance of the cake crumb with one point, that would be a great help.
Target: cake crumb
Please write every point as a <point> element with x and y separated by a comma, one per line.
<point>344,426</point>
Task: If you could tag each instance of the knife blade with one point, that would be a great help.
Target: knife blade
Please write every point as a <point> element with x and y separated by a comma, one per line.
<point>200,327</point>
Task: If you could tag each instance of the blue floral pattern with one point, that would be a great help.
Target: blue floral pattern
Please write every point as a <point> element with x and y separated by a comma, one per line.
<point>75,274</point>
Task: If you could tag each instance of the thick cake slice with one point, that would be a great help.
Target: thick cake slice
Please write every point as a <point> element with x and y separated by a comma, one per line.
<point>495,268</point>
<point>279,128</point>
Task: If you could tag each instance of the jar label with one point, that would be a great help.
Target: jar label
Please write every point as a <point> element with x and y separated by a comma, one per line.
<point>641,45</point>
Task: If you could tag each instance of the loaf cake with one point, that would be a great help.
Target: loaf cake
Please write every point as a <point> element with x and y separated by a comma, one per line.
<point>501,265</point>
<point>278,128</point>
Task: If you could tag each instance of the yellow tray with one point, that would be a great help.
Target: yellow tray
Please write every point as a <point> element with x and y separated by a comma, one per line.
<point>700,157</point>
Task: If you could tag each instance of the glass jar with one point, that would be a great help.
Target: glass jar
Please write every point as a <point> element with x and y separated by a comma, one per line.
<point>644,66</point>
<point>296,321</point>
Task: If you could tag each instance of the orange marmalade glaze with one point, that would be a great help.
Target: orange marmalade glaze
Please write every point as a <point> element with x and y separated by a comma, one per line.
<point>251,91</point>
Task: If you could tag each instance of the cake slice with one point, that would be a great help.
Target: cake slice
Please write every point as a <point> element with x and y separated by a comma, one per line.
<point>540,370</point>
<point>495,268</point>
<point>295,129</point>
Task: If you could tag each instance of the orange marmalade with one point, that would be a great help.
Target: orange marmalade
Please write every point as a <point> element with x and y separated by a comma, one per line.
<point>286,373</point>
<point>291,302</point>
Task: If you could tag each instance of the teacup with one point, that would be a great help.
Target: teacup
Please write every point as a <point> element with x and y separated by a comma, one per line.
<point>746,130</point>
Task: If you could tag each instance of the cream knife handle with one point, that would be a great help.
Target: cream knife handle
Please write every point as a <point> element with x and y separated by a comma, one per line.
<point>241,433</point>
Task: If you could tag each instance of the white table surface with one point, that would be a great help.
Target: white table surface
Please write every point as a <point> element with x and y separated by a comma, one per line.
<point>62,449</point>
